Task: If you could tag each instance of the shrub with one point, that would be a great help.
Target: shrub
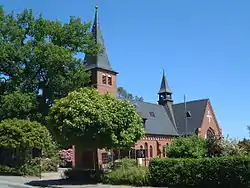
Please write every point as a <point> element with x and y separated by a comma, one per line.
<point>187,147</point>
<point>27,140</point>
<point>126,172</point>
<point>32,167</point>
<point>223,147</point>
<point>50,164</point>
<point>24,170</point>
<point>7,170</point>
<point>47,164</point>
<point>204,172</point>
<point>24,136</point>
<point>245,145</point>
<point>198,147</point>
<point>137,176</point>
<point>124,163</point>
<point>66,156</point>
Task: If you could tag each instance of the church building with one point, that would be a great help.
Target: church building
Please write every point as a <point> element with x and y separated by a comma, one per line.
<point>163,120</point>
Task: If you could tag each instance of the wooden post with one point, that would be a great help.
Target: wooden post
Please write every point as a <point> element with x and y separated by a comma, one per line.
<point>94,158</point>
<point>119,154</point>
<point>74,156</point>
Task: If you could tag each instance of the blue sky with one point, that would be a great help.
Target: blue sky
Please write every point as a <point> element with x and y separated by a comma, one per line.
<point>202,45</point>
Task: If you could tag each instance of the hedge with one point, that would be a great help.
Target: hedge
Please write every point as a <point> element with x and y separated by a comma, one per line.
<point>128,176</point>
<point>204,172</point>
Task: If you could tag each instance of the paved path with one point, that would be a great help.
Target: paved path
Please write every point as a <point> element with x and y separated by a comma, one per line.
<point>3,185</point>
<point>23,182</point>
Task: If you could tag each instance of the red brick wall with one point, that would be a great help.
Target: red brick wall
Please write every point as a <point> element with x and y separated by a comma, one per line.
<point>156,141</point>
<point>104,88</point>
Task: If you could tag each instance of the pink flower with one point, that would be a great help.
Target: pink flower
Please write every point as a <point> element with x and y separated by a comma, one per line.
<point>66,155</point>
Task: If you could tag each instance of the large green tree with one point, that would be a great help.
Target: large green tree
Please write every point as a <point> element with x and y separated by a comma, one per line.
<point>19,105</point>
<point>124,95</point>
<point>41,56</point>
<point>93,120</point>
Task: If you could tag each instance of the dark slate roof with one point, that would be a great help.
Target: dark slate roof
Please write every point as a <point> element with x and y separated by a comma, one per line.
<point>160,124</point>
<point>101,60</point>
<point>197,109</point>
<point>164,85</point>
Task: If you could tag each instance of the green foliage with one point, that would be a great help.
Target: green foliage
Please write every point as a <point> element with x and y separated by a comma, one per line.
<point>198,147</point>
<point>124,95</point>
<point>23,136</point>
<point>223,147</point>
<point>26,169</point>
<point>203,172</point>
<point>32,167</point>
<point>229,147</point>
<point>40,56</point>
<point>245,145</point>
<point>95,121</point>
<point>125,163</point>
<point>187,147</point>
<point>138,176</point>
<point>18,105</point>
<point>7,170</point>
<point>45,164</point>
<point>15,133</point>
<point>127,173</point>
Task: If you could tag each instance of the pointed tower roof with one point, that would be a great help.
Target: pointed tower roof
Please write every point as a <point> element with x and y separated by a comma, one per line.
<point>164,85</point>
<point>101,60</point>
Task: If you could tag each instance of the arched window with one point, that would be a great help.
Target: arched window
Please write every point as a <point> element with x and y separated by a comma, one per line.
<point>151,151</point>
<point>109,80</point>
<point>141,147</point>
<point>104,79</point>
<point>146,150</point>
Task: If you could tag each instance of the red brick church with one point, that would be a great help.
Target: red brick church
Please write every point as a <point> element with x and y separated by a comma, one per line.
<point>162,120</point>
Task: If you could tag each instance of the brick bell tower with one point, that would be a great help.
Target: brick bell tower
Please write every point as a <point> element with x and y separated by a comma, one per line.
<point>103,77</point>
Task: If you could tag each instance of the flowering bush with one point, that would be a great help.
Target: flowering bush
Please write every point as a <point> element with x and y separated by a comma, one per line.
<point>223,147</point>
<point>66,156</point>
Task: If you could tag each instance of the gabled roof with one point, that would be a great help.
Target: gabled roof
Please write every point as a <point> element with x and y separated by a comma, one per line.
<point>164,85</point>
<point>196,108</point>
<point>157,120</point>
<point>101,60</point>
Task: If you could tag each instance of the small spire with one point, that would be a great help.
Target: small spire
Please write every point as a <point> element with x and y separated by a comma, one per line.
<point>164,84</point>
<point>96,16</point>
